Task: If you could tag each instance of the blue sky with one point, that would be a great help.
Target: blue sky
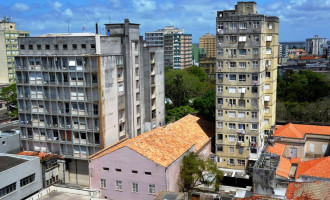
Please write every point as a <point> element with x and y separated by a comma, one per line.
<point>299,19</point>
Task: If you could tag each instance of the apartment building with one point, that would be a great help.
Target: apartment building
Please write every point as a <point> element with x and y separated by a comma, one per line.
<point>316,45</point>
<point>177,46</point>
<point>79,93</point>
<point>208,42</point>
<point>8,49</point>
<point>247,51</point>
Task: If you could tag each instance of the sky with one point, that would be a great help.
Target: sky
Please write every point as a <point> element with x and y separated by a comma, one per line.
<point>299,19</point>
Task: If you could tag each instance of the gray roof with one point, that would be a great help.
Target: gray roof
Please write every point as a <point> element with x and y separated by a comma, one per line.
<point>7,162</point>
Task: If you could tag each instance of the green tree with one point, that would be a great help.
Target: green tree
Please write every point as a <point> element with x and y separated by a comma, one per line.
<point>206,105</point>
<point>9,95</point>
<point>178,112</point>
<point>197,71</point>
<point>181,87</point>
<point>196,171</point>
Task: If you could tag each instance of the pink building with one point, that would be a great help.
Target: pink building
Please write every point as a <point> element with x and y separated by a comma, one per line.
<point>140,167</point>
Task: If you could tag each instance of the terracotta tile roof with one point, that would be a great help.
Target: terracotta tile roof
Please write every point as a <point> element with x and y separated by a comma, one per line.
<point>295,160</point>
<point>317,168</point>
<point>257,197</point>
<point>277,148</point>
<point>164,145</point>
<point>39,154</point>
<point>308,190</point>
<point>299,130</point>
<point>284,167</point>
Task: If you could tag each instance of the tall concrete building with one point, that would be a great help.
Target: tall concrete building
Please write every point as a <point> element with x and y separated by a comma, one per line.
<point>208,42</point>
<point>8,49</point>
<point>247,53</point>
<point>79,93</point>
<point>316,45</point>
<point>177,46</point>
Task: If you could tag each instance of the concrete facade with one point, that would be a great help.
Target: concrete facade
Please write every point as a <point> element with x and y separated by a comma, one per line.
<point>8,49</point>
<point>178,50</point>
<point>208,42</point>
<point>21,179</point>
<point>246,84</point>
<point>316,45</point>
<point>78,93</point>
<point>10,141</point>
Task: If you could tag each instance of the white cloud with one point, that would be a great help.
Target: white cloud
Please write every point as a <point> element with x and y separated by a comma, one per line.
<point>144,5</point>
<point>57,6</point>
<point>21,7</point>
<point>67,12</point>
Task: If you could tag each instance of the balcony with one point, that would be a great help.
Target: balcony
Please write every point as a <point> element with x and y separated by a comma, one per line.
<point>241,131</point>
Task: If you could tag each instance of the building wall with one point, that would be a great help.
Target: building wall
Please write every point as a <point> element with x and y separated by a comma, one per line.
<point>15,174</point>
<point>127,160</point>
<point>10,143</point>
<point>246,63</point>
<point>208,42</point>
<point>3,59</point>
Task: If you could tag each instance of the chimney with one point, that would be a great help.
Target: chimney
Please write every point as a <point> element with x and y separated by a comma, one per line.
<point>96,29</point>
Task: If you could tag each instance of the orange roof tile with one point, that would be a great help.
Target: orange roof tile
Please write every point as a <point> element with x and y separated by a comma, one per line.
<point>164,145</point>
<point>277,148</point>
<point>295,160</point>
<point>308,190</point>
<point>316,167</point>
<point>258,197</point>
<point>35,153</point>
<point>300,130</point>
<point>284,167</point>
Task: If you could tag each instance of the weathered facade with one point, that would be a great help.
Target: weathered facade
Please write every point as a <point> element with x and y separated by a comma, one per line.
<point>247,51</point>
<point>79,93</point>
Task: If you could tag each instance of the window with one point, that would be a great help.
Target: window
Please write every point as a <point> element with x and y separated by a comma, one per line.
<point>232,102</point>
<point>92,46</point>
<point>27,180</point>
<point>220,101</point>
<point>134,172</point>
<point>255,64</point>
<point>22,46</point>
<point>241,127</point>
<point>242,77</point>
<point>232,39</point>
<point>74,46</point>
<point>267,74</point>
<point>254,127</point>
<point>267,87</point>
<point>218,159</point>
<point>241,102</point>
<point>231,161</point>
<point>254,115</point>
<point>293,152</point>
<point>255,51</point>
<point>242,65</point>
<point>241,90</point>
<point>220,52</point>
<point>232,90</point>
<point>119,185</point>
<point>220,113</point>
<point>241,162</point>
<point>241,114</point>
<point>324,148</point>
<point>233,26</point>
<point>152,189</point>
<point>255,25</point>
<point>267,110</point>
<point>103,183</point>
<point>256,38</point>
<point>56,46</point>
<point>231,149</point>
<point>242,39</point>
<point>242,52</point>
<point>232,77</point>
<point>254,89</point>
<point>83,46</point>
<point>232,64</point>
<point>231,114</point>
<point>270,26</point>
<point>220,38</point>
<point>221,26</point>
<point>254,77</point>
<point>253,139</point>
<point>241,138</point>
<point>8,189</point>
<point>135,187</point>
<point>220,136</point>
<point>311,147</point>
<point>220,88</point>
<point>268,51</point>
<point>243,25</point>
<point>220,76</point>
<point>106,168</point>
<point>30,46</point>
<point>65,46</point>
<point>232,52</point>
<point>38,46</point>
<point>219,124</point>
<point>147,173</point>
<point>118,170</point>
<point>269,38</point>
<point>254,102</point>
<point>232,126</point>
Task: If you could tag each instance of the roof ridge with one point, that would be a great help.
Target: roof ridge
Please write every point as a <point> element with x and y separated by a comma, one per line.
<point>295,129</point>
<point>109,147</point>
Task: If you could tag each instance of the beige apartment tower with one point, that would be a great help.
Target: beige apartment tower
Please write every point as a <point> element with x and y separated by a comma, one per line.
<point>8,49</point>
<point>247,52</point>
<point>208,42</point>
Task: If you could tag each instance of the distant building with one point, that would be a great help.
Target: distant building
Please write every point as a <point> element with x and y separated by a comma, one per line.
<point>197,53</point>
<point>208,42</point>
<point>9,141</point>
<point>284,47</point>
<point>209,66</point>
<point>245,86</point>
<point>81,92</point>
<point>141,167</point>
<point>20,176</point>
<point>9,49</point>
<point>177,46</point>
<point>316,45</point>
